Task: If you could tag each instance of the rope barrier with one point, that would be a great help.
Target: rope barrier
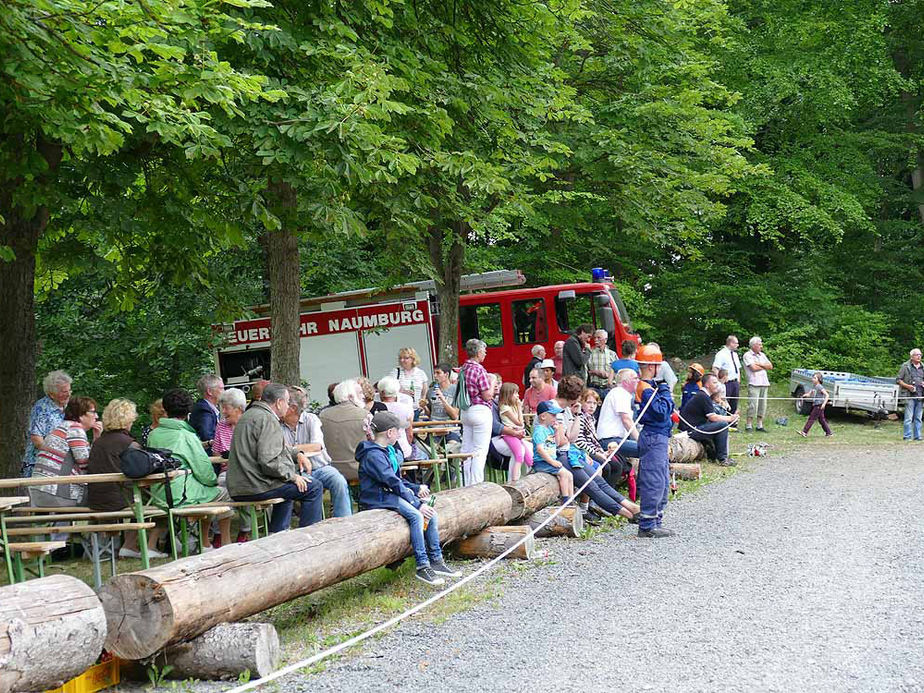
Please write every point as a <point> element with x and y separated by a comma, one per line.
<point>356,639</point>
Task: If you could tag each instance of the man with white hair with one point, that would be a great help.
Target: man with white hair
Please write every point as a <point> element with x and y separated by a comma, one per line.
<point>599,371</point>
<point>911,381</point>
<point>204,415</point>
<point>345,425</point>
<point>47,414</point>
<point>727,359</point>
<point>756,365</point>
<point>538,353</point>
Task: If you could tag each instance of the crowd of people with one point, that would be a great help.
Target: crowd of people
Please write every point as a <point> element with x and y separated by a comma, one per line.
<point>576,407</point>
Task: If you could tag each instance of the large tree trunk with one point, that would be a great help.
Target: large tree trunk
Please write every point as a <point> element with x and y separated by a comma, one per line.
<point>570,523</point>
<point>51,630</point>
<point>493,541</point>
<point>150,609</point>
<point>532,493</point>
<point>225,652</point>
<point>283,268</point>
<point>20,232</point>
<point>447,253</point>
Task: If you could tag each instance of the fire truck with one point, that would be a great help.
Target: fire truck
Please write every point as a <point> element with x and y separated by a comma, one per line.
<point>359,332</point>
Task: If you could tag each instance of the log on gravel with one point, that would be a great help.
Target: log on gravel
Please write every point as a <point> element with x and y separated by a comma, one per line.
<point>51,630</point>
<point>532,493</point>
<point>570,523</point>
<point>151,609</point>
<point>688,472</point>
<point>493,541</point>
<point>682,449</point>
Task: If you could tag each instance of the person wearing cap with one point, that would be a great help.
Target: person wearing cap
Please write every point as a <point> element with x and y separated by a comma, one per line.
<point>538,391</point>
<point>548,373</point>
<point>656,407</point>
<point>548,436</point>
<point>692,385</point>
<point>381,486</point>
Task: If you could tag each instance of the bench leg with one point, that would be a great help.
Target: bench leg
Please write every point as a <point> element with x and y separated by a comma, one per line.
<point>4,542</point>
<point>18,569</point>
<point>142,533</point>
<point>94,558</point>
<point>254,525</point>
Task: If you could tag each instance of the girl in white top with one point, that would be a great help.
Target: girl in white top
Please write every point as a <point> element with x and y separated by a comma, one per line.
<point>511,414</point>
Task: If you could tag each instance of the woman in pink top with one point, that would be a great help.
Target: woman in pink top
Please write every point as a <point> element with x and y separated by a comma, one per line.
<point>478,418</point>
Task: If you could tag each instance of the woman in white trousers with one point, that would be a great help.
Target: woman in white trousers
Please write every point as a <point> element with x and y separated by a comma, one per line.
<point>477,419</point>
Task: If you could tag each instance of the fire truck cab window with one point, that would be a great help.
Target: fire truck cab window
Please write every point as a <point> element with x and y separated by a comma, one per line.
<point>529,325</point>
<point>482,322</point>
<point>571,312</point>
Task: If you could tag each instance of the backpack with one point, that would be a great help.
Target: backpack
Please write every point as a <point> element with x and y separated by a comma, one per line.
<point>461,401</point>
<point>138,462</point>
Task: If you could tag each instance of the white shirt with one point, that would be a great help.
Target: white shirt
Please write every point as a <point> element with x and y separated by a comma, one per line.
<point>665,373</point>
<point>610,425</point>
<point>728,359</point>
<point>756,377</point>
<point>405,412</point>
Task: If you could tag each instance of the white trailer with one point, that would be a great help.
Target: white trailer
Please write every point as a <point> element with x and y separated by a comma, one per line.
<point>848,391</point>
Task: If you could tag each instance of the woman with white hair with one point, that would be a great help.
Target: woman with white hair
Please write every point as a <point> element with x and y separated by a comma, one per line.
<point>345,425</point>
<point>232,403</point>
<point>389,387</point>
<point>47,414</point>
<point>477,419</point>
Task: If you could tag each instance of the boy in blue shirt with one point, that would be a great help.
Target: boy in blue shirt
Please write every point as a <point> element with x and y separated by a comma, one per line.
<point>547,437</point>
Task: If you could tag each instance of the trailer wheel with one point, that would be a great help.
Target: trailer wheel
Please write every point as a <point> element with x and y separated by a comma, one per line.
<point>803,407</point>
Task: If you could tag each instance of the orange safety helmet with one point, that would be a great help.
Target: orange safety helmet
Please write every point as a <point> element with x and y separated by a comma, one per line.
<point>698,368</point>
<point>648,354</point>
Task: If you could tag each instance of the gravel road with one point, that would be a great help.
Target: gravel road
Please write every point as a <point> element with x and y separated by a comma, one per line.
<point>802,573</point>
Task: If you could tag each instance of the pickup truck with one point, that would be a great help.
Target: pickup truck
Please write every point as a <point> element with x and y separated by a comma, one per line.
<point>848,391</point>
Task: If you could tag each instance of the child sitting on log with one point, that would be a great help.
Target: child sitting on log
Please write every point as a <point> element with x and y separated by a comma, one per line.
<point>381,486</point>
<point>547,436</point>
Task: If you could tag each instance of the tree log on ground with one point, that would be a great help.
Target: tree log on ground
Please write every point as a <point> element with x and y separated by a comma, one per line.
<point>51,630</point>
<point>532,493</point>
<point>569,523</point>
<point>151,609</point>
<point>682,449</point>
<point>687,472</point>
<point>493,541</point>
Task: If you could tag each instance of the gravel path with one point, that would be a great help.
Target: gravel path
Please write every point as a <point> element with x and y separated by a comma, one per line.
<point>803,573</point>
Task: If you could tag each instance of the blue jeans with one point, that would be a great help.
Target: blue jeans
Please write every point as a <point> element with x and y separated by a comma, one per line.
<point>628,449</point>
<point>599,491</point>
<point>426,543</point>
<point>913,410</point>
<point>282,512</point>
<point>336,483</point>
<point>720,440</point>
<point>654,478</point>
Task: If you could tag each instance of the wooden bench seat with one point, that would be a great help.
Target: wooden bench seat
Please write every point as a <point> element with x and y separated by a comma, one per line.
<point>33,509</point>
<point>29,550</point>
<point>80,517</point>
<point>78,529</point>
<point>201,511</point>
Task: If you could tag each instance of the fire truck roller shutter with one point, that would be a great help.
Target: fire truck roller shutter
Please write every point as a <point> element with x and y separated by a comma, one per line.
<point>382,349</point>
<point>329,358</point>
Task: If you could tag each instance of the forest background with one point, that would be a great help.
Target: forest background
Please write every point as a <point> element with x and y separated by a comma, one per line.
<point>740,166</point>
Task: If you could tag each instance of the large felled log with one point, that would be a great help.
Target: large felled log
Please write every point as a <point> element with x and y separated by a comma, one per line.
<point>570,523</point>
<point>688,472</point>
<point>493,541</point>
<point>532,493</point>
<point>51,630</point>
<point>683,449</point>
<point>225,652</point>
<point>151,609</point>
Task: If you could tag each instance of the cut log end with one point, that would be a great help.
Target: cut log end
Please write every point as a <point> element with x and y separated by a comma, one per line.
<point>493,541</point>
<point>227,651</point>
<point>569,523</point>
<point>138,618</point>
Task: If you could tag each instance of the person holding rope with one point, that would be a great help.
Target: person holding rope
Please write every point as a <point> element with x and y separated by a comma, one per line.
<point>699,418</point>
<point>657,405</point>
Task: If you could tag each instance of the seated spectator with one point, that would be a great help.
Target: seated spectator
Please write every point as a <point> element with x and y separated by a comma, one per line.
<point>629,347</point>
<point>499,452</point>
<point>256,392</point>
<point>440,397</point>
<point>200,485</point>
<point>388,394</point>
<point>538,391</point>
<point>692,384</point>
<point>65,452</point>
<point>302,431</point>
<point>538,356</point>
<point>46,415</point>
<point>511,415</point>
<point>261,466</point>
<point>204,415</point>
<point>547,436</point>
<point>118,418</point>
<point>345,426</point>
<point>412,380</point>
<point>702,423</point>
<point>615,422</point>
<point>157,413</point>
<point>557,360</point>
<point>330,394</point>
<point>373,406</point>
<point>233,404</point>
<point>619,469</point>
<point>381,486</point>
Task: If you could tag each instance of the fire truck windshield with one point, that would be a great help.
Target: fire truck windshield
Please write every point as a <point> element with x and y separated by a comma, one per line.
<point>621,308</point>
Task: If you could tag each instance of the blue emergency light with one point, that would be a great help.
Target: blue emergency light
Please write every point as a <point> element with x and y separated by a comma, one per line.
<point>601,275</point>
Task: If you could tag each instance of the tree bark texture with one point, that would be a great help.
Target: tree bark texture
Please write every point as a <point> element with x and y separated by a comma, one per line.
<point>151,609</point>
<point>284,270</point>
<point>225,652</point>
<point>682,450</point>
<point>570,523</point>
<point>447,253</point>
<point>493,541</point>
<point>687,472</point>
<point>20,230</point>
<point>51,630</point>
<point>532,493</point>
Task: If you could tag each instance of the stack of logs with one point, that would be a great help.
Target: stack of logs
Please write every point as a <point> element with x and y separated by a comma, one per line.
<point>54,628</point>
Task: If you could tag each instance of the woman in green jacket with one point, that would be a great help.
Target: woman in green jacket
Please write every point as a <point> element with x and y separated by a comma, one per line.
<point>200,485</point>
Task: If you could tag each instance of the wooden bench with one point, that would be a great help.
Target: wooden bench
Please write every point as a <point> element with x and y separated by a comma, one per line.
<point>30,550</point>
<point>198,513</point>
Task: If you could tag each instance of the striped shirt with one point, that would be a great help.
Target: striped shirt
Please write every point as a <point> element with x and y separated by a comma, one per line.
<point>66,451</point>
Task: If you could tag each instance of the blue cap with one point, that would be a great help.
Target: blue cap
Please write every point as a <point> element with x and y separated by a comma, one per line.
<point>548,406</point>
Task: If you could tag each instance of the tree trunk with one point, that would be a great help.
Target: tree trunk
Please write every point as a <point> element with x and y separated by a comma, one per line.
<point>447,253</point>
<point>284,270</point>
<point>570,523</point>
<point>20,231</point>
<point>682,449</point>
<point>51,630</point>
<point>532,493</point>
<point>151,609</point>
<point>688,472</point>
<point>225,652</point>
<point>493,541</point>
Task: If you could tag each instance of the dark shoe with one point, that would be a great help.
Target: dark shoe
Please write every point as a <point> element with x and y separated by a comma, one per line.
<point>427,575</point>
<point>243,537</point>
<point>634,519</point>
<point>748,429</point>
<point>656,533</point>
<point>727,462</point>
<point>591,518</point>
<point>760,429</point>
<point>444,570</point>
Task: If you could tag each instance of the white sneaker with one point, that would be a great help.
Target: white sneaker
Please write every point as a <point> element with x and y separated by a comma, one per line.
<point>154,553</point>
<point>131,553</point>
<point>206,549</point>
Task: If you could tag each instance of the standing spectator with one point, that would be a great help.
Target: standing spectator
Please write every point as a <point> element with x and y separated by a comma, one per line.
<point>629,347</point>
<point>345,426</point>
<point>911,381</point>
<point>756,365</point>
<point>47,414</point>
<point>204,416</point>
<point>412,379</point>
<point>692,385</point>
<point>576,352</point>
<point>699,418</point>
<point>262,466</point>
<point>65,452</point>
<point>615,422</point>
<point>538,353</point>
<point>599,371</point>
<point>157,413</point>
<point>548,373</point>
<point>538,391</point>
<point>511,415</point>
<point>477,419</point>
<point>557,359</point>
<point>820,400</point>
<point>302,431</point>
<point>665,373</point>
<point>727,358</point>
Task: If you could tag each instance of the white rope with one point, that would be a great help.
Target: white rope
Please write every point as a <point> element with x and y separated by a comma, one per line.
<point>356,639</point>
<point>707,433</point>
